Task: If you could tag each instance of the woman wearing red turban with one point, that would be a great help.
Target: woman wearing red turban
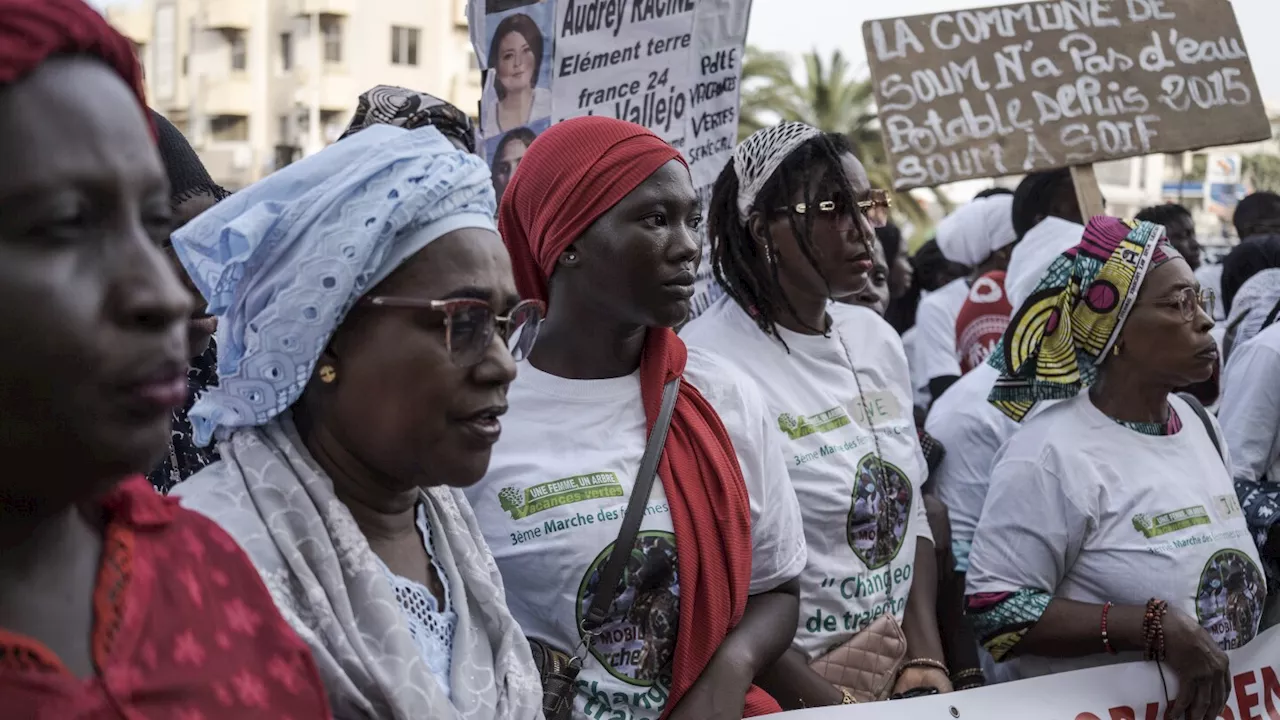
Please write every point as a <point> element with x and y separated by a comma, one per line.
<point>114,602</point>
<point>602,221</point>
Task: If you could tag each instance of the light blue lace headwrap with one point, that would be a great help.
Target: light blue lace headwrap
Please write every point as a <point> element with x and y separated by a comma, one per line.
<point>282,261</point>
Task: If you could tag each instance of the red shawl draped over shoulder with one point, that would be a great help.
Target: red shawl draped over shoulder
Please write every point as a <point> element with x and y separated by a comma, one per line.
<point>570,176</point>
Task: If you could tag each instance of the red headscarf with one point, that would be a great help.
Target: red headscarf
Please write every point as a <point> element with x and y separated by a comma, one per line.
<point>982,320</point>
<point>32,31</point>
<point>570,176</point>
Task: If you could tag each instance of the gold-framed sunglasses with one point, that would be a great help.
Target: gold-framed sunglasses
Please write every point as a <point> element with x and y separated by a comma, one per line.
<point>875,208</point>
<point>1187,300</point>
<point>469,325</point>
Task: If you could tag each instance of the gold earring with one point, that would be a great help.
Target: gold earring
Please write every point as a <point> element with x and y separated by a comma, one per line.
<point>1116,351</point>
<point>328,374</point>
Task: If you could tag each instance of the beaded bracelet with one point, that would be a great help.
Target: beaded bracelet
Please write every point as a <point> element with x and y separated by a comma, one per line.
<point>926,662</point>
<point>1153,629</point>
<point>1106,640</point>
<point>975,676</point>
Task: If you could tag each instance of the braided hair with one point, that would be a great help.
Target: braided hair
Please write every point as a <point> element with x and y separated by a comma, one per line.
<point>742,265</point>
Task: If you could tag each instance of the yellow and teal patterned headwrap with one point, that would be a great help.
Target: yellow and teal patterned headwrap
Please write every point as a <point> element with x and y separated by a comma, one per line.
<point>1061,334</point>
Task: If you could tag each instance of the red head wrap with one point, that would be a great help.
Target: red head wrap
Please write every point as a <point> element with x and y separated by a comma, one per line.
<point>570,176</point>
<point>32,31</point>
<point>578,169</point>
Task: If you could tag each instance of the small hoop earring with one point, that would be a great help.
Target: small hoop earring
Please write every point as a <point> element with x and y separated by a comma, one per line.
<point>328,374</point>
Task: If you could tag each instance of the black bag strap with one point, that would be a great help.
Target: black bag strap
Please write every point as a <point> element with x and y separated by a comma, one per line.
<point>607,589</point>
<point>1199,410</point>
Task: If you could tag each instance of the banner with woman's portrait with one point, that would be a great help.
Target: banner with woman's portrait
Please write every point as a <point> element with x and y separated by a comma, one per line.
<point>673,66</point>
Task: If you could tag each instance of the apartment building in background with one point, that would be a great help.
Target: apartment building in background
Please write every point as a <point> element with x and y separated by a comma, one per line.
<point>257,84</point>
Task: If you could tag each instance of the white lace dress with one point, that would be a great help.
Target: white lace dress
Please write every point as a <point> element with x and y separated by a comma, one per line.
<point>430,625</point>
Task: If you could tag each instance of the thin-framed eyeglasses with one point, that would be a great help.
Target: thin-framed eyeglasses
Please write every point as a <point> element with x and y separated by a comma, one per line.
<point>875,208</point>
<point>1187,300</point>
<point>469,325</point>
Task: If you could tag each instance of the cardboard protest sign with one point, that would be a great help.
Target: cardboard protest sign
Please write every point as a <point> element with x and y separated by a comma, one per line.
<point>671,65</point>
<point>1131,691</point>
<point>1043,85</point>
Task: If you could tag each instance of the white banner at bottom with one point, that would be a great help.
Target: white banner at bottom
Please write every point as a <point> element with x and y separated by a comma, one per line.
<point>1131,691</point>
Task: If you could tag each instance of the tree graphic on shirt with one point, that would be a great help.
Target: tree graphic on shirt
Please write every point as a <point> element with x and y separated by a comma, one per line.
<point>511,500</point>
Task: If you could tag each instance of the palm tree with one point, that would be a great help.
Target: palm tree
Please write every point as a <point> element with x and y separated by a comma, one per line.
<point>830,98</point>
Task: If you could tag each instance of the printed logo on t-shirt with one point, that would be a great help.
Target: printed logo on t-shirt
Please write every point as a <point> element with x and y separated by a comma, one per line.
<point>881,509</point>
<point>1229,598</point>
<point>877,407</point>
<point>1228,506</point>
<point>798,426</point>
<point>565,491</point>
<point>1174,521</point>
<point>637,642</point>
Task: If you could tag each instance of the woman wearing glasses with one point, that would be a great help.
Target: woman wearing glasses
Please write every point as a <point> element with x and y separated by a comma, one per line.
<point>1111,531</point>
<point>792,220</point>
<point>369,327</point>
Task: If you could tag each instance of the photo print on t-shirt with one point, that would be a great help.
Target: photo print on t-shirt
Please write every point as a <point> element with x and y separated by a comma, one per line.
<point>638,641</point>
<point>1229,598</point>
<point>880,512</point>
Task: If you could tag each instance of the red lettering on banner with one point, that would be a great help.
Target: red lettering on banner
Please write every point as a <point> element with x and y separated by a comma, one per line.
<point>1270,692</point>
<point>1153,711</point>
<point>1122,713</point>
<point>1245,700</point>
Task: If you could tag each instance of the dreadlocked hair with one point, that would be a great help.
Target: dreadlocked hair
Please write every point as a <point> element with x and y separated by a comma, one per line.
<point>747,269</point>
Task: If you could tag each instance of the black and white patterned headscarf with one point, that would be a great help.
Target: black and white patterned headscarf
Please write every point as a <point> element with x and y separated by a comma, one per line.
<point>409,109</point>
<point>759,156</point>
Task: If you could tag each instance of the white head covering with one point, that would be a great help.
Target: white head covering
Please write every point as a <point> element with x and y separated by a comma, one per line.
<point>282,261</point>
<point>1032,257</point>
<point>758,157</point>
<point>971,234</point>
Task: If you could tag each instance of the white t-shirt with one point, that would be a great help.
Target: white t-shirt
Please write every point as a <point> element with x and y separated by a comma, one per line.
<point>1250,413</point>
<point>919,384</point>
<point>972,431</point>
<point>553,500</point>
<point>861,532</point>
<point>936,353</point>
<point>1093,511</point>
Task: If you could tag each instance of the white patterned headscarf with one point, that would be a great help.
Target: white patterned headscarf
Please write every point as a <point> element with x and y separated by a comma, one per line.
<point>757,158</point>
<point>282,261</point>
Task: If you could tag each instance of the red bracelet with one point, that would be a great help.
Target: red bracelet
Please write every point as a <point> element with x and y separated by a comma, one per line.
<point>1106,641</point>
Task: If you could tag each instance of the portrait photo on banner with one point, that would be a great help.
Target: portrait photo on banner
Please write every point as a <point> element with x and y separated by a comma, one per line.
<point>504,152</point>
<point>517,86</point>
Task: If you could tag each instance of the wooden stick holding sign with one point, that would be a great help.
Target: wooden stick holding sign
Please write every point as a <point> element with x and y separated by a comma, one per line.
<point>1088,194</point>
<point>1038,86</point>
